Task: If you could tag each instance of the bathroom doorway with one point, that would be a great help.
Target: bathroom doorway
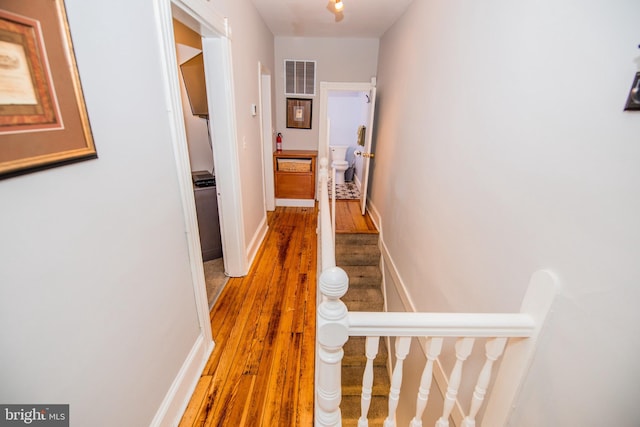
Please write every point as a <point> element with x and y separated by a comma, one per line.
<point>346,119</point>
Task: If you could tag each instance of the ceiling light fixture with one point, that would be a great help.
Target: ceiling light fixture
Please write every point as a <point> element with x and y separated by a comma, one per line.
<point>339,5</point>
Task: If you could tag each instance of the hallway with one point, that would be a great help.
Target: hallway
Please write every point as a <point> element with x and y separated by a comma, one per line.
<point>261,370</point>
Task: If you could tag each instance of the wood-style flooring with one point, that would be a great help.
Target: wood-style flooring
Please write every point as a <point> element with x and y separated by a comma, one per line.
<point>261,371</point>
<point>349,218</point>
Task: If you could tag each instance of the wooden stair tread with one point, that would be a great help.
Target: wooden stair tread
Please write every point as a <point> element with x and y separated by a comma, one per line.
<point>349,218</point>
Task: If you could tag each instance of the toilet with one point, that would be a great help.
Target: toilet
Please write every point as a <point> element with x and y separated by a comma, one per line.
<point>338,161</point>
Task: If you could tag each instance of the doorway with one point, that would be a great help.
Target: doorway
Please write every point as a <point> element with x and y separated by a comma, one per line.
<point>216,47</point>
<point>216,50</point>
<point>200,149</point>
<point>347,113</point>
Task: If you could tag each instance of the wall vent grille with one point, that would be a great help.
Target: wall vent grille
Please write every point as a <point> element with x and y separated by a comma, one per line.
<point>299,77</point>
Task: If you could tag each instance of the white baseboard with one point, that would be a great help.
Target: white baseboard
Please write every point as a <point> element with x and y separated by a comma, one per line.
<point>257,240</point>
<point>375,216</point>
<point>177,398</point>
<point>357,182</point>
<point>300,203</point>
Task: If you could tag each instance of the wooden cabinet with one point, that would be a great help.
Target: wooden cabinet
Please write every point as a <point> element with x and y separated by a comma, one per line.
<point>295,174</point>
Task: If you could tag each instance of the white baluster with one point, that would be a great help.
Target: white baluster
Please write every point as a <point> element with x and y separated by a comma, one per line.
<point>367,380</point>
<point>463,349</point>
<point>493,349</point>
<point>433,347</point>
<point>332,327</point>
<point>402,348</point>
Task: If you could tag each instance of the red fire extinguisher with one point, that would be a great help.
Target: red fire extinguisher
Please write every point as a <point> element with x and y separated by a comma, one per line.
<point>279,142</point>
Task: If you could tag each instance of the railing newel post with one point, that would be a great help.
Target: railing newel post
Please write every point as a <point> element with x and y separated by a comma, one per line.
<point>333,333</point>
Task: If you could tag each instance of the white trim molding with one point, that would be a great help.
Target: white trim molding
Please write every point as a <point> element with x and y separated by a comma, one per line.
<point>173,101</point>
<point>177,398</point>
<point>218,69</point>
<point>300,203</point>
<point>257,240</point>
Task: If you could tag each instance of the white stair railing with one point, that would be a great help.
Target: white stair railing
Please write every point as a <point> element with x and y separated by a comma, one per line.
<point>510,335</point>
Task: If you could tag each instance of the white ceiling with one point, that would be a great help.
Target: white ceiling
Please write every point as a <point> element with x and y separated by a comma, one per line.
<point>313,18</point>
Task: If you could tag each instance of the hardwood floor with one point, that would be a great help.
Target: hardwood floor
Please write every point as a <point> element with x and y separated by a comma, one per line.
<point>261,372</point>
<point>349,218</point>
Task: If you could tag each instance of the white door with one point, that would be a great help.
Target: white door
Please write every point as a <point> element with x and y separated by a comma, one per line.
<point>366,153</point>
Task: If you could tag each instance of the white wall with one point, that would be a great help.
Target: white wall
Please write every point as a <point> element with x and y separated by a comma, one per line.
<point>338,60</point>
<point>96,294</point>
<point>502,148</point>
<point>96,299</point>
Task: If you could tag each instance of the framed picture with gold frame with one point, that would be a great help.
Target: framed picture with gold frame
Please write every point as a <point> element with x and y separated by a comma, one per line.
<point>43,117</point>
<point>299,113</point>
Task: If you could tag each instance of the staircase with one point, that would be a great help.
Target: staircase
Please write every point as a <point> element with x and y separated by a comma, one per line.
<point>347,277</point>
<point>359,256</point>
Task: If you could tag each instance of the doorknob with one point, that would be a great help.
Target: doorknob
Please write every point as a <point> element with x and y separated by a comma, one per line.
<point>367,155</point>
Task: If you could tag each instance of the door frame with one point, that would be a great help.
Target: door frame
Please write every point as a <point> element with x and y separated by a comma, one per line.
<point>266,136</point>
<point>216,44</point>
<point>216,49</point>
<point>323,132</point>
<point>217,57</point>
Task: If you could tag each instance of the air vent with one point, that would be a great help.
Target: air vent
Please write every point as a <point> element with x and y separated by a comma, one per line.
<point>299,77</point>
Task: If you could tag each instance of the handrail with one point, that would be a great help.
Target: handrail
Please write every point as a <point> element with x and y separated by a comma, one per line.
<point>390,324</point>
<point>331,328</point>
<point>327,222</point>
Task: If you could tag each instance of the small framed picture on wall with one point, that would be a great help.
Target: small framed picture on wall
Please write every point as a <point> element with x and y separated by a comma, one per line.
<point>299,113</point>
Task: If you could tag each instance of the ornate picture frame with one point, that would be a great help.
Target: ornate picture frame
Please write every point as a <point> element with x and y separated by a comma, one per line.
<point>43,117</point>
